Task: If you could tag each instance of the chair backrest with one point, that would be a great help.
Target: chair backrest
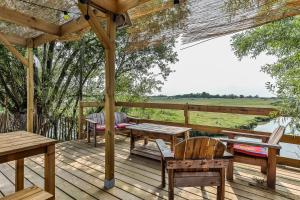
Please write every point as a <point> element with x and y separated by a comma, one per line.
<point>199,148</point>
<point>120,117</point>
<point>100,117</point>
<point>97,117</point>
<point>276,135</point>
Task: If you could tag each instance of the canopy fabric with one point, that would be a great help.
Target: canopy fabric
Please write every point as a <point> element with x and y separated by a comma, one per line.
<point>193,20</point>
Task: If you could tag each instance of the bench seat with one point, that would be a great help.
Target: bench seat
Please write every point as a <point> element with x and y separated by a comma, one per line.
<point>30,193</point>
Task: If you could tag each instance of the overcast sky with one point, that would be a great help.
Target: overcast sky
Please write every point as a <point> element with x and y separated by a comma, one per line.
<point>212,67</point>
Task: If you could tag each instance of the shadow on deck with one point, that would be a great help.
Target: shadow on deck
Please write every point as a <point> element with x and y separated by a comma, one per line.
<point>80,175</point>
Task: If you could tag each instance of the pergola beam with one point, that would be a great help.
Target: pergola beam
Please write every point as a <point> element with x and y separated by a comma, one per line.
<point>95,25</point>
<point>15,39</point>
<point>109,5</point>
<point>124,5</point>
<point>74,26</point>
<point>22,19</point>
<point>13,50</point>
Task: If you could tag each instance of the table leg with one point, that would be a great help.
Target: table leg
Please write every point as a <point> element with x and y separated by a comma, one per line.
<point>50,170</point>
<point>173,143</point>
<point>187,135</point>
<point>132,141</point>
<point>19,179</point>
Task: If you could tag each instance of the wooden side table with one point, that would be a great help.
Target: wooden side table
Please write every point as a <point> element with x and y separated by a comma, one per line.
<point>155,131</point>
<point>19,145</point>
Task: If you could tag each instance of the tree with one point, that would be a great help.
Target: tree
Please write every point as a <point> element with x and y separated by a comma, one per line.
<point>280,39</point>
<point>65,72</point>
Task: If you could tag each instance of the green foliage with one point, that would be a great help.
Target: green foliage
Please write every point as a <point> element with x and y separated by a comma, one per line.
<point>68,72</point>
<point>280,39</point>
<point>206,118</point>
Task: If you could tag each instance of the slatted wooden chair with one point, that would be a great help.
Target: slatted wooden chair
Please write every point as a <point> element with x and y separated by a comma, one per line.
<point>198,161</point>
<point>262,154</point>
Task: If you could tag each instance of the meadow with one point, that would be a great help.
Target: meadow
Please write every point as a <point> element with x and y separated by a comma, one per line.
<point>208,118</point>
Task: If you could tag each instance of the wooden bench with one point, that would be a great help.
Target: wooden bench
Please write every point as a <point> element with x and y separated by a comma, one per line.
<point>33,192</point>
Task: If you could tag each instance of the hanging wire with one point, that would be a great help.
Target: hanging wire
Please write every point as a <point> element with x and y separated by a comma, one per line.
<point>47,7</point>
<point>202,41</point>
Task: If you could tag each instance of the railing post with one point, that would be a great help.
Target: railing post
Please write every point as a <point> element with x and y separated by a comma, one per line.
<point>186,114</point>
<point>80,125</point>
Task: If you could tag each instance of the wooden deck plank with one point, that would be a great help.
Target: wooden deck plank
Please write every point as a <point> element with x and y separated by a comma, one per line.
<point>140,175</point>
<point>36,179</point>
<point>79,189</point>
<point>80,175</point>
<point>89,179</point>
<point>122,175</point>
<point>242,193</point>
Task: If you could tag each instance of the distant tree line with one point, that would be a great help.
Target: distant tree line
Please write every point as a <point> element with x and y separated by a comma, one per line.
<point>207,95</point>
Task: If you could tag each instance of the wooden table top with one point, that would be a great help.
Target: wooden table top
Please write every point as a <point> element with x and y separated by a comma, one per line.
<point>15,142</point>
<point>157,128</point>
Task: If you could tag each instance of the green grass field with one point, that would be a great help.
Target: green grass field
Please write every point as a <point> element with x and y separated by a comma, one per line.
<point>206,118</point>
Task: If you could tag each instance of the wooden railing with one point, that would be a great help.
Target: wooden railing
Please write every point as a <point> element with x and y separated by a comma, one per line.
<point>63,129</point>
<point>186,108</point>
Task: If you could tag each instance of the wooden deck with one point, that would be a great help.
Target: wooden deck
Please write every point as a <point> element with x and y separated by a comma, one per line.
<point>80,175</point>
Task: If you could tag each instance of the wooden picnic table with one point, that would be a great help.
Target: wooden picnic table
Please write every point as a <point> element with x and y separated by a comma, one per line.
<point>155,131</point>
<point>21,144</point>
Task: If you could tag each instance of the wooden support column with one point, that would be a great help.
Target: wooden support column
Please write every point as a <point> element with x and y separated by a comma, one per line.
<point>30,91</point>
<point>107,37</point>
<point>110,105</point>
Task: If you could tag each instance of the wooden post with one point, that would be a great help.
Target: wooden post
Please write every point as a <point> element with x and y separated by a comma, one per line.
<point>19,178</point>
<point>49,171</point>
<point>186,114</point>
<point>110,105</point>
<point>271,169</point>
<point>30,91</point>
<point>80,125</point>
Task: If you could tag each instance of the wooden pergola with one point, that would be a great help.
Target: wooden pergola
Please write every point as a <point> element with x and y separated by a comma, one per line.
<point>90,11</point>
<point>105,29</point>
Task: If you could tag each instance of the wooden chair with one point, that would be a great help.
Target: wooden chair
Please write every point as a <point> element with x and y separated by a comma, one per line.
<point>198,161</point>
<point>95,123</point>
<point>262,154</point>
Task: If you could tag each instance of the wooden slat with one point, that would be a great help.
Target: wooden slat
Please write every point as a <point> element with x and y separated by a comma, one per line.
<point>22,19</point>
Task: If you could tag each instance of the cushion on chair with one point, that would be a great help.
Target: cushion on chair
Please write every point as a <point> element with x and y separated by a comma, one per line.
<point>101,127</point>
<point>251,150</point>
<point>123,125</point>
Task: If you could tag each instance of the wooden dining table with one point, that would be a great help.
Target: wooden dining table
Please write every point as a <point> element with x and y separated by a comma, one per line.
<point>15,146</point>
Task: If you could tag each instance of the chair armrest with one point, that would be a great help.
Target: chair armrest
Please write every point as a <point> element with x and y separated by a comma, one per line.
<point>253,143</point>
<point>241,134</point>
<point>164,150</point>
<point>91,121</point>
<point>134,119</point>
